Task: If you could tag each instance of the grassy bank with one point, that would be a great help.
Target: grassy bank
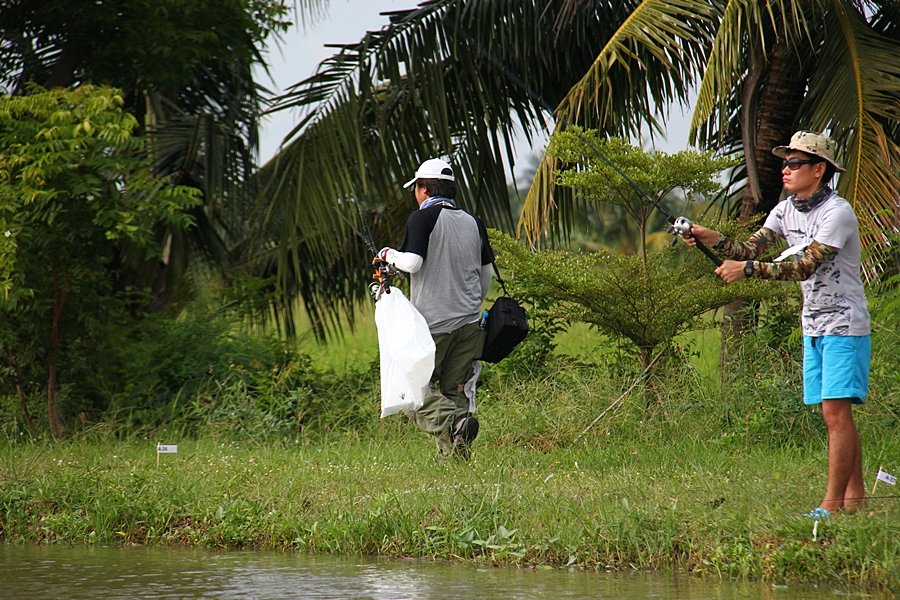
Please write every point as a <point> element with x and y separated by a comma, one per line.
<point>696,469</point>
<point>715,485</point>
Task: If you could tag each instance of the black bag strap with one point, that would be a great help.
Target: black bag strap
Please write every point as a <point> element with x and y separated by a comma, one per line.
<point>500,279</point>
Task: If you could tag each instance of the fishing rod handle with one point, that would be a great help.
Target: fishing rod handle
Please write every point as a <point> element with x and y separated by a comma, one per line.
<point>709,253</point>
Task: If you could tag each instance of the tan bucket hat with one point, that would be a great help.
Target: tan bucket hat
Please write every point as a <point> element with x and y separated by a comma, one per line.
<point>813,143</point>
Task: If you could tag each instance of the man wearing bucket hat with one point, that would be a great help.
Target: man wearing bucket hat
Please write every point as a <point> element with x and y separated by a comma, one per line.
<point>448,256</point>
<point>824,256</point>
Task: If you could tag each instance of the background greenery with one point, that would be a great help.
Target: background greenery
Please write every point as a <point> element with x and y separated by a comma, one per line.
<point>153,281</point>
<point>280,446</point>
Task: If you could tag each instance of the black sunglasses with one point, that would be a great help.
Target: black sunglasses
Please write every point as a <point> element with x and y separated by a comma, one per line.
<point>795,163</point>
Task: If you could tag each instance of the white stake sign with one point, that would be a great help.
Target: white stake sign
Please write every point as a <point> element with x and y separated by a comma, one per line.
<point>165,449</point>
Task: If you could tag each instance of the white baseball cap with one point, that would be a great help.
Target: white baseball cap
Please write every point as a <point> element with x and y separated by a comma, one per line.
<point>433,168</point>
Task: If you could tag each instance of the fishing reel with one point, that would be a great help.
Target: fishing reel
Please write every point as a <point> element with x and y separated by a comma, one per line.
<point>382,273</point>
<point>681,226</point>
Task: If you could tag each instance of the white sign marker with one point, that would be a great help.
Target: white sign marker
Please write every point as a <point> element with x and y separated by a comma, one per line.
<point>165,449</point>
<point>886,477</point>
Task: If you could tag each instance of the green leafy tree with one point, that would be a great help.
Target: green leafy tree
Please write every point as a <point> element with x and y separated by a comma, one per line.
<point>647,298</point>
<point>185,68</point>
<point>76,196</point>
<point>651,178</point>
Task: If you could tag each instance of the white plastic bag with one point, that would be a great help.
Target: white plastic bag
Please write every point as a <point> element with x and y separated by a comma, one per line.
<point>406,351</point>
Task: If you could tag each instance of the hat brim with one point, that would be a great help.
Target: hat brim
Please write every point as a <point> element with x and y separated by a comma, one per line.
<point>781,152</point>
<point>410,183</point>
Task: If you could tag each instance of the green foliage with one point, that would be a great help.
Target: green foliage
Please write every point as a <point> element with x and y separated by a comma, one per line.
<point>648,304</point>
<point>659,173</point>
<point>884,307</point>
<point>73,179</point>
<point>615,178</point>
<point>201,372</point>
<point>111,43</point>
<point>646,299</point>
<point>186,70</point>
<point>77,200</point>
<point>764,397</point>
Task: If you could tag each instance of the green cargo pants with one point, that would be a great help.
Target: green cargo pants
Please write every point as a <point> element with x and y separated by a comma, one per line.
<point>445,400</point>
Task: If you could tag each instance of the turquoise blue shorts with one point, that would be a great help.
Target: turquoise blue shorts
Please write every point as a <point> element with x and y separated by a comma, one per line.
<point>836,367</point>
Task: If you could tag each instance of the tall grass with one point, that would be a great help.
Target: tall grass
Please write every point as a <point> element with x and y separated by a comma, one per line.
<point>575,466</point>
<point>701,483</point>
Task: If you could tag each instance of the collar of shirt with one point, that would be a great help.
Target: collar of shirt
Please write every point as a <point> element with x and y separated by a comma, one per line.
<point>437,200</point>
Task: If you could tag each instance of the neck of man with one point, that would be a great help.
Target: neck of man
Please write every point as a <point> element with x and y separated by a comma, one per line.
<point>806,204</point>
<point>806,194</point>
<point>434,200</point>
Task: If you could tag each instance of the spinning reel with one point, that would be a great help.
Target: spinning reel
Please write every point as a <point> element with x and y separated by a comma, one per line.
<point>682,226</point>
<point>382,273</point>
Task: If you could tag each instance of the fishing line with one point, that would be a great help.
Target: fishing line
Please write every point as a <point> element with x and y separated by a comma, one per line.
<point>893,496</point>
<point>368,234</point>
<point>367,238</point>
<point>680,225</point>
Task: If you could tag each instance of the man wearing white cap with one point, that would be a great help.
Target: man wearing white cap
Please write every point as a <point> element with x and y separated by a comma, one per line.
<point>824,255</point>
<point>448,256</point>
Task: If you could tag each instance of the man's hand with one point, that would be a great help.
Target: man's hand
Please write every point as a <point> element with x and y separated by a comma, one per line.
<point>698,232</point>
<point>387,254</point>
<point>731,270</point>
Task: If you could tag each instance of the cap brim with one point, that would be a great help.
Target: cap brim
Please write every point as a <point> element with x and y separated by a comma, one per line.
<point>409,183</point>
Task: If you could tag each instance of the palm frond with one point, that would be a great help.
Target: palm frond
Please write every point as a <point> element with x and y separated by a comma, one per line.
<point>648,60</point>
<point>738,39</point>
<point>435,82</point>
<point>856,95</point>
<point>652,57</point>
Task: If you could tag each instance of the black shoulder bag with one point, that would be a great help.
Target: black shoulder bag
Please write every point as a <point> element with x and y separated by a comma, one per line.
<point>506,325</point>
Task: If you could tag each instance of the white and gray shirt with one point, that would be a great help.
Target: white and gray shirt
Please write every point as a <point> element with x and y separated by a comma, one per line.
<point>834,302</point>
<point>447,290</point>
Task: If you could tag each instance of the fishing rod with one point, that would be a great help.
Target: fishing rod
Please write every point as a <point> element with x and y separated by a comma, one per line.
<point>382,271</point>
<point>678,225</point>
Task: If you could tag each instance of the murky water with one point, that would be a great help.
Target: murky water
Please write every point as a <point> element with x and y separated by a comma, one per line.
<point>102,572</point>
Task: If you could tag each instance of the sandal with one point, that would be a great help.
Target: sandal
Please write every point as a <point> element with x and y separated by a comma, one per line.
<point>818,513</point>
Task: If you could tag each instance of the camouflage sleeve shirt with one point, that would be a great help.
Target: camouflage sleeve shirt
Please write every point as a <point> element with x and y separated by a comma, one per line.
<point>799,269</point>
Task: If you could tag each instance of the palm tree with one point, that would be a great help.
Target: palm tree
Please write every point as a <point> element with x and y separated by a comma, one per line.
<point>459,79</point>
<point>772,68</point>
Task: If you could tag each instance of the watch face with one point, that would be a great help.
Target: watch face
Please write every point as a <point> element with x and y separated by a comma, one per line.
<point>748,269</point>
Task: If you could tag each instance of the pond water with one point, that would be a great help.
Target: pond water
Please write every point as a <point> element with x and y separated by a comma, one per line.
<point>29,571</point>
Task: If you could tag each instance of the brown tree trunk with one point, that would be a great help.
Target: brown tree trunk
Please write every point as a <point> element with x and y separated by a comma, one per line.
<point>20,391</point>
<point>59,300</point>
<point>646,359</point>
<point>771,100</point>
<point>776,114</point>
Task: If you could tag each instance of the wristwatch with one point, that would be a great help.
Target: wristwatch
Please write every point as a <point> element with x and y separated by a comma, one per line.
<point>748,268</point>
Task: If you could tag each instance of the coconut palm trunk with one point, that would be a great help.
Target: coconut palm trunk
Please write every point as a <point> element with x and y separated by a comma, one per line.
<point>769,112</point>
